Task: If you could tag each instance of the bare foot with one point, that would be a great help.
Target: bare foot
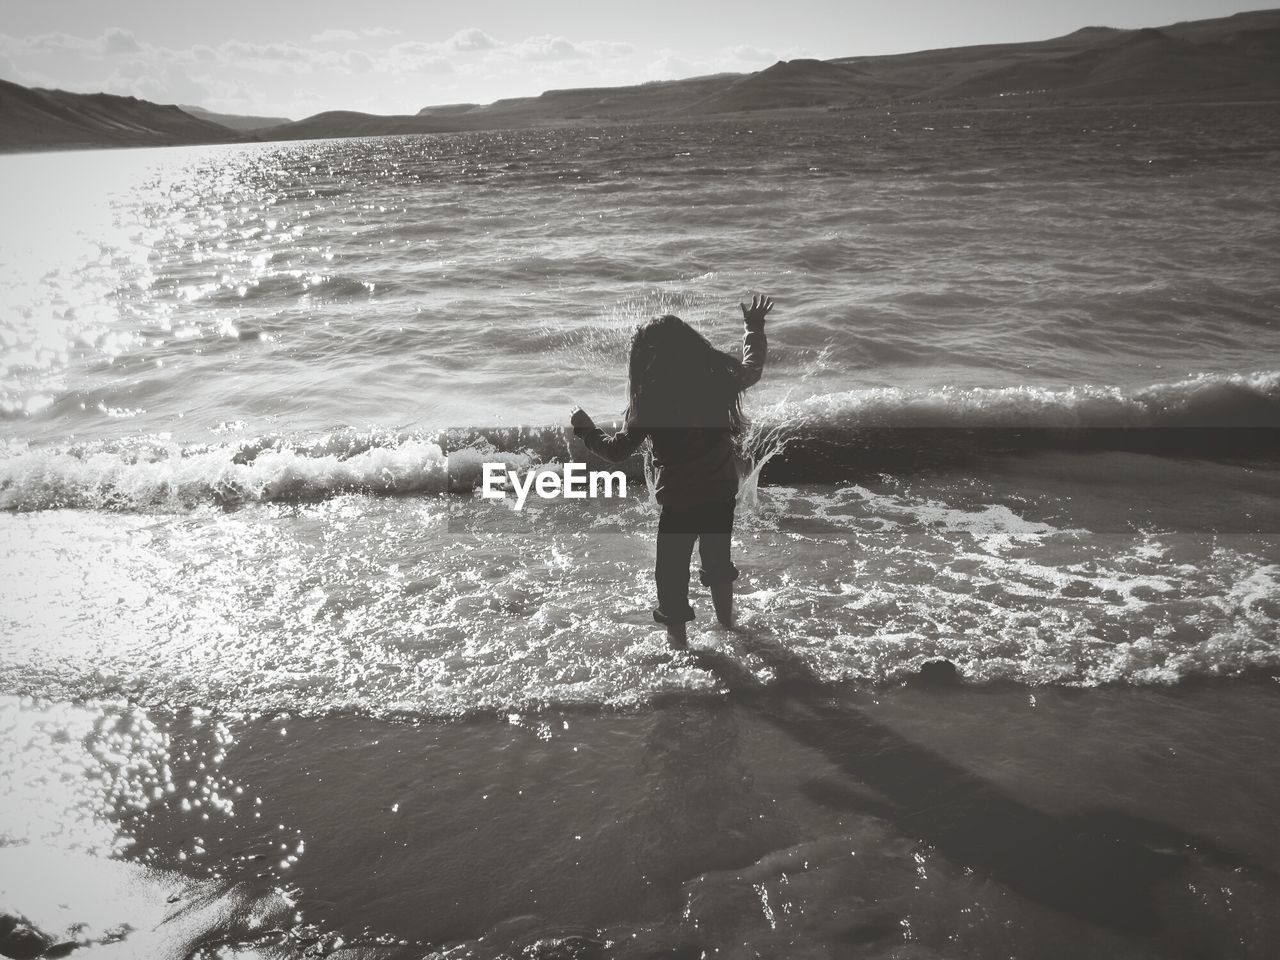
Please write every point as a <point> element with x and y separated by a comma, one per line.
<point>677,636</point>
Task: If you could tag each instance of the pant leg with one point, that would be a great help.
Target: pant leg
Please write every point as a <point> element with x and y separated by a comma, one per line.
<point>714,543</point>
<point>671,573</point>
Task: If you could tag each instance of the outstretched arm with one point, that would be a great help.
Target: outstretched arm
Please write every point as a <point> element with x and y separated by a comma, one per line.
<point>615,448</point>
<point>754,345</point>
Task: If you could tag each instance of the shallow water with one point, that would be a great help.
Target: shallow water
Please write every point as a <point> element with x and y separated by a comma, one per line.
<point>432,606</point>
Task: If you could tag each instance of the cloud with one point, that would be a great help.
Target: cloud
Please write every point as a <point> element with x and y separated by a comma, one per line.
<point>118,41</point>
<point>357,61</point>
<point>42,81</point>
<point>472,39</point>
<point>228,96</point>
<point>286,57</point>
<point>431,65</point>
<point>413,56</point>
<point>114,41</point>
<point>56,42</point>
<point>606,49</point>
<point>754,54</point>
<point>334,36</point>
<point>668,66</point>
<point>8,71</point>
<point>548,48</point>
<point>288,50</point>
<point>170,84</point>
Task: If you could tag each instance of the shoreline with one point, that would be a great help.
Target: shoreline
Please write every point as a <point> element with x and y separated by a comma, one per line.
<point>973,105</point>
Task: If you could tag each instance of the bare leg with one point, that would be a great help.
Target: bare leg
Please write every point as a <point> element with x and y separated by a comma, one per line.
<point>671,573</point>
<point>718,571</point>
<point>722,600</point>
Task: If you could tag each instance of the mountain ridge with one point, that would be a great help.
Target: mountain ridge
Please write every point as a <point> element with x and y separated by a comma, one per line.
<point>33,118</point>
<point>1235,57</point>
<point>234,121</point>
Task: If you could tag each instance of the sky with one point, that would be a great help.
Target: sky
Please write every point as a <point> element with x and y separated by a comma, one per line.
<point>294,59</point>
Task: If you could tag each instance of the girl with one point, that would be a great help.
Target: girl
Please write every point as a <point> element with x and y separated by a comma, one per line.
<point>685,398</point>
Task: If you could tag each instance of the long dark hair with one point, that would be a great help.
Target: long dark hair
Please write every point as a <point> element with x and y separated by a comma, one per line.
<point>678,379</point>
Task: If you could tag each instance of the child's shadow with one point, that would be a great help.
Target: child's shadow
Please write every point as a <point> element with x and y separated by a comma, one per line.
<point>1102,867</point>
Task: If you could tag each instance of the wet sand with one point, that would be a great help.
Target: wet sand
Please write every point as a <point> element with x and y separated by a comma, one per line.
<point>791,818</point>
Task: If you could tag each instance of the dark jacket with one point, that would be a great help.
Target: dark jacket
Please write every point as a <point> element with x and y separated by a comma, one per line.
<point>691,464</point>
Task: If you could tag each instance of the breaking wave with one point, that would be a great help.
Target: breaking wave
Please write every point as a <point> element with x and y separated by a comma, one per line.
<point>824,439</point>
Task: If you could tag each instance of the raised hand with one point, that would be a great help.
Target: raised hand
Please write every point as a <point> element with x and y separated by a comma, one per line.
<point>754,315</point>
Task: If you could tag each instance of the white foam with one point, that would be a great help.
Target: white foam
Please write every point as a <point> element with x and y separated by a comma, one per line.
<point>163,475</point>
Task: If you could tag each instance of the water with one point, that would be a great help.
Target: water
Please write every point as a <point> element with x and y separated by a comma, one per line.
<point>1020,411</point>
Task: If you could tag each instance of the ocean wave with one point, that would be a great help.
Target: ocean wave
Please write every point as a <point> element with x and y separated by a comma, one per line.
<point>828,438</point>
<point>1204,400</point>
<point>1208,416</point>
<point>290,284</point>
<point>163,476</point>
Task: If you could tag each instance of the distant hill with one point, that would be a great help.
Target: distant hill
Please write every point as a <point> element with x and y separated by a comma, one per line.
<point>40,119</point>
<point>1232,57</point>
<point>641,101</point>
<point>350,123</point>
<point>790,84</point>
<point>555,106</point>
<point>234,121</point>
<point>1227,58</point>
<point>1235,57</point>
